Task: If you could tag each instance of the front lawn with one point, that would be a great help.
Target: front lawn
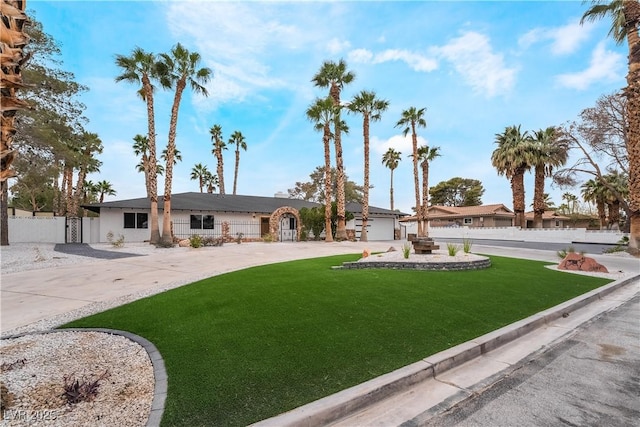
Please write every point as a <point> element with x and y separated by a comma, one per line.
<point>248,345</point>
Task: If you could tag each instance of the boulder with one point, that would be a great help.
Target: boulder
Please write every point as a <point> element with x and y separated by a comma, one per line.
<point>391,249</point>
<point>184,243</point>
<point>366,253</point>
<point>578,262</point>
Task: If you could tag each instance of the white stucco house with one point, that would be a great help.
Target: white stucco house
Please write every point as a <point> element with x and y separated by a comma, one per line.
<point>230,216</point>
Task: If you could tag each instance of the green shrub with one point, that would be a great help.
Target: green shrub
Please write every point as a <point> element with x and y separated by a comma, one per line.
<point>267,237</point>
<point>466,245</point>
<point>452,249</point>
<point>196,241</point>
<point>116,243</point>
<point>562,254</point>
<point>406,250</point>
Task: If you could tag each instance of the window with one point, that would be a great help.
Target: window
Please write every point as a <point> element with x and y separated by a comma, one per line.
<point>201,222</point>
<point>196,222</point>
<point>129,220</point>
<point>292,223</point>
<point>136,220</point>
<point>468,221</point>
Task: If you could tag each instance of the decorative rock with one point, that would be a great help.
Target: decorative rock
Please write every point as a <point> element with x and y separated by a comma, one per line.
<point>578,262</point>
<point>391,249</point>
<point>366,253</point>
<point>184,243</point>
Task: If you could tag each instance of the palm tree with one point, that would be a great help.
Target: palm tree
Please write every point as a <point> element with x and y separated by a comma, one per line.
<point>411,119</point>
<point>625,18</point>
<point>218,146</point>
<point>90,191</point>
<point>141,68</point>
<point>426,155</point>
<point>141,148</point>
<point>334,76</point>
<point>211,181</point>
<point>595,192</point>
<point>571,200</point>
<point>199,172</point>
<point>238,140</point>
<point>105,188</point>
<point>512,158</point>
<point>90,145</point>
<point>391,159</point>
<point>321,114</point>
<point>371,109</point>
<point>548,152</point>
<point>180,67</point>
<point>616,189</point>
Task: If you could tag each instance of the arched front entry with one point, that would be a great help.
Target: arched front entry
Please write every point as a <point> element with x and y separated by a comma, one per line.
<point>282,214</point>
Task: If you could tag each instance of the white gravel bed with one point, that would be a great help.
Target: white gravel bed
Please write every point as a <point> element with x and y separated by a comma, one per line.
<point>436,256</point>
<point>34,367</point>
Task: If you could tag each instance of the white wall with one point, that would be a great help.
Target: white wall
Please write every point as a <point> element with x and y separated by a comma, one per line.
<point>37,229</point>
<point>564,235</point>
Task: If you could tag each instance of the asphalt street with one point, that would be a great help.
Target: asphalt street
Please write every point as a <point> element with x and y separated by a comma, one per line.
<point>591,378</point>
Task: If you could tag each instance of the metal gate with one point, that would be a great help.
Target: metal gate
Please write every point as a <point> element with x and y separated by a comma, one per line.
<point>74,230</point>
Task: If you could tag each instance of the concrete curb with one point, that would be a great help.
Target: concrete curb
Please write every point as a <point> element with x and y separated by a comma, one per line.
<point>159,371</point>
<point>339,405</point>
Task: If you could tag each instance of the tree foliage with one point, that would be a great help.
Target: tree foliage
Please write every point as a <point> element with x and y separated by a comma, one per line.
<point>457,192</point>
<point>313,190</point>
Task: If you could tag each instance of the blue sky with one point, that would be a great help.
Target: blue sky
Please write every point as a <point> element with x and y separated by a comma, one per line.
<point>477,67</point>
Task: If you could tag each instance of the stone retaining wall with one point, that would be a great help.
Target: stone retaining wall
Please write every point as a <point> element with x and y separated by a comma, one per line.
<point>409,265</point>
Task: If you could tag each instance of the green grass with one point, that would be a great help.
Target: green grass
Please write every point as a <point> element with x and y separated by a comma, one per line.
<point>248,345</point>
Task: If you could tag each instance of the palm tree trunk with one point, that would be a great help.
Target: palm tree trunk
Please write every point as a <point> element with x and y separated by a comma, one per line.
<point>538,197</point>
<point>235,174</point>
<point>632,92</point>
<point>416,180</point>
<point>167,235</point>
<point>152,173</point>
<point>220,170</point>
<point>425,197</point>
<point>4,214</point>
<point>365,199</point>
<point>517,188</point>
<point>391,191</point>
<point>328,235</point>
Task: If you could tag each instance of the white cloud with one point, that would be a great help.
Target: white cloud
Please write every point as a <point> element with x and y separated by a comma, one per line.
<point>335,46</point>
<point>415,61</point>
<point>604,66</point>
<point>397,142</point>
<point>564,40</point>
<point>473,58</point>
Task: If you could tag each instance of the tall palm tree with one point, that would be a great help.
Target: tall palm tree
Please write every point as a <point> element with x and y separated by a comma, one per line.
<point>413,118</point>
<point>571,200</point>
<point>105,188</point>
<point>180,68</point>
<point>321,114</point>
<point>549,151</point>
<point>199,172</point>
<point>334,76</point>
<point>239,141</point>
<point>218,146</point>
<point>426,155</point>
<point>391,159</point>
<point>625,19</point>
<point>371,109</point>
<point>141,68</point>
<point>512,158</point>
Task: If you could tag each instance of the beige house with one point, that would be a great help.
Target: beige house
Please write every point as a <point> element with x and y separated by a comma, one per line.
<point>550,219</point>
<point>497,215</point>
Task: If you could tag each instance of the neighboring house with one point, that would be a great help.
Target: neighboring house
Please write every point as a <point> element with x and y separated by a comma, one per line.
<point>228,216</point>
<point>497,215</point>
<point>550,219</point>
<point>17,212</point>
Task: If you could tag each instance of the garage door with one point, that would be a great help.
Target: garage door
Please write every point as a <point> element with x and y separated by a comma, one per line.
<point>378,229</point>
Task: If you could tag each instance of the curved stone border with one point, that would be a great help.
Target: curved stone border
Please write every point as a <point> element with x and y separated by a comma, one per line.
<point>159,371</point>
<point>408,265</point>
